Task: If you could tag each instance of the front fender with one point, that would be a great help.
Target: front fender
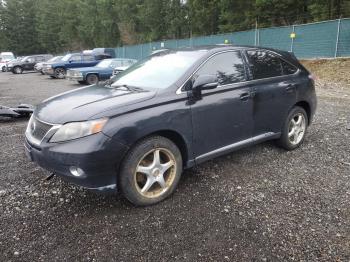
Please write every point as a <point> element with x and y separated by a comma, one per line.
<point>130,127</point>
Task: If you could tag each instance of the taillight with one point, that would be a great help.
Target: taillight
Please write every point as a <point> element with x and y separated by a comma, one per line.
<point>312,77</point>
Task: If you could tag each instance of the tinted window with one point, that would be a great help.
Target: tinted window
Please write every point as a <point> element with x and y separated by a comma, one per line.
<point>228,67</point>
<point>89,58</point>
<point>264,64</point>
<point>288,69</point>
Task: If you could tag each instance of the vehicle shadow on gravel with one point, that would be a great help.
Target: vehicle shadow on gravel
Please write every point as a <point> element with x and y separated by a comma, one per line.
<point>193,180</point>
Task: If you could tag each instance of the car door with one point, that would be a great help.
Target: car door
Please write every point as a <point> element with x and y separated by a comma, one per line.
<point>75,61</point>
<point>274,84</point>
<point>222,118</point>
<point>89,60</point>
<point>29,63</point>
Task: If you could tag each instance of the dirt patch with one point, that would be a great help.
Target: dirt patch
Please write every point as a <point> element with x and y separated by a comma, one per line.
<point>330,70</point>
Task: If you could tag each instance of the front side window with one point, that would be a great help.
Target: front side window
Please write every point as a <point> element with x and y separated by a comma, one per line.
<point>75,58</point>
<point>264,64</point>
<point>30,60</point>
<point>228,67</point>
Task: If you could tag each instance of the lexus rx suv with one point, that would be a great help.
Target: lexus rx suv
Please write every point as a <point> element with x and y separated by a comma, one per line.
<point>173,110</point>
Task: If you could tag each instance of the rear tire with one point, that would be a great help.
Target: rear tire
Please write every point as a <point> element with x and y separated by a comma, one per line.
<point>294,129</point>
<point>92,79</point>
<point>3,69</point>
<point>150,171</point>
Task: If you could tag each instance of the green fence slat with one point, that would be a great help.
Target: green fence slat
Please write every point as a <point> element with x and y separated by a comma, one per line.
<point>316,40</point>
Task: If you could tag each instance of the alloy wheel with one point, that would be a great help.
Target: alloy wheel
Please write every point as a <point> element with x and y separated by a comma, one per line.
<point>18,70</point>
<point>297,129</point>
<point>155,173</point>
<point>60,73</point>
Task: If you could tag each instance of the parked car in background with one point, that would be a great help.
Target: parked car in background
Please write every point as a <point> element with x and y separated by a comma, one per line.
<point>104,51</point>
<point>5,57</point>
<point>75,60</point>
<point>102,71</point>
<point>124,64</point>
<point>39,66</point>
<point>27,63</point>
<point>169,112</point>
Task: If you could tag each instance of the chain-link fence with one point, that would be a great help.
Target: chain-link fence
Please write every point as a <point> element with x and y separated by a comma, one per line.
<point>316,40</point>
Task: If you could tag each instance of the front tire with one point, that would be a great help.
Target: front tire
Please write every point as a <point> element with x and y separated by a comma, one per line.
<point>294,129</point>
<point>17,70</point>
<point>60,73</point>
<point>92,79</point>
<point>151,171</point>
<point>3,69</point>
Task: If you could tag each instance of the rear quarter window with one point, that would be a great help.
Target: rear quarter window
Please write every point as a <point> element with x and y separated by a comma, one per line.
<point>288,69</point>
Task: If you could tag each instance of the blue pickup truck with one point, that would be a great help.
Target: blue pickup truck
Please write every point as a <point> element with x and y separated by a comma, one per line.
<point>75,60</point>
<point>102,71</point>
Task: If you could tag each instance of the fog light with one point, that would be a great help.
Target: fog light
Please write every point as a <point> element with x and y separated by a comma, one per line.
<point>76,171</point>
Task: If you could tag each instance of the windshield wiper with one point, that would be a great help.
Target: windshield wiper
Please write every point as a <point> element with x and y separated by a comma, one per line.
<point>129,88</point>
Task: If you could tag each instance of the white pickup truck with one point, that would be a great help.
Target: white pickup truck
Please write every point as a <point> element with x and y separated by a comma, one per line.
<point>4,58</point>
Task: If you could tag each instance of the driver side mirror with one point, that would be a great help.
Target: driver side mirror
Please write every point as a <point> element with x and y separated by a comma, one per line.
<point>205,82</point>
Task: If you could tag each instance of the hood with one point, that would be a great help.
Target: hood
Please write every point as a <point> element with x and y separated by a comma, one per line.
<point>83,103</point>
<point>4,61</point>
<point>92,69</point>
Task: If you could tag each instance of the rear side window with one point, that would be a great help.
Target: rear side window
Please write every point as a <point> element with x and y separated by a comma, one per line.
<point>89,58</point>
<point>228,67</point>
<point>264,64</point>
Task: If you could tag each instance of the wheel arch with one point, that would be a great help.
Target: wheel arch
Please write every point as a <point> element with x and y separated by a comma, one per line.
<point>174,137</point>
<point>306,106</point>
<point>92,73</point>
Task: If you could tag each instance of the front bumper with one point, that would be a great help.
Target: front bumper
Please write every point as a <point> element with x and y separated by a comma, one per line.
<point>98,156</point>
<point>48,71</point>
<point>75,78</point>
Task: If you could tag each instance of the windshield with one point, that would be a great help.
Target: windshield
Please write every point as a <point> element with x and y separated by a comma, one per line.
<point>66,57</point>
<point>24,58</point>
<point>159,71</point>
<point>6,57</point>
<point>105,63</point>
<point>56,58</point>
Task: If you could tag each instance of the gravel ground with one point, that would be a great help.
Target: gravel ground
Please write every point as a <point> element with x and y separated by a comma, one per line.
<point>261,203</point>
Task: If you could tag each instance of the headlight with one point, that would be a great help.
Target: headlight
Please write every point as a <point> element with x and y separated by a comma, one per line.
<point>77,73</point>
<point>75,130</point>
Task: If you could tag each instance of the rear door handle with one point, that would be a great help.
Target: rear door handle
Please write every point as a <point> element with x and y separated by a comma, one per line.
<point>245,96</point>
<point>290,88</point>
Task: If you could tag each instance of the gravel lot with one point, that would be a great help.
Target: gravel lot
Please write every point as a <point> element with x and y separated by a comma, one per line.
<point>260,203</point>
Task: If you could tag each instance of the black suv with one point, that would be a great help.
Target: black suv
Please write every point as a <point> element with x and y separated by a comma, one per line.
<point>170,111</point>
<point>27,63</point>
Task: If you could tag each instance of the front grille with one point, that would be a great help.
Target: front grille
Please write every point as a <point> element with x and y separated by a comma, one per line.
<point>39,129</point>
